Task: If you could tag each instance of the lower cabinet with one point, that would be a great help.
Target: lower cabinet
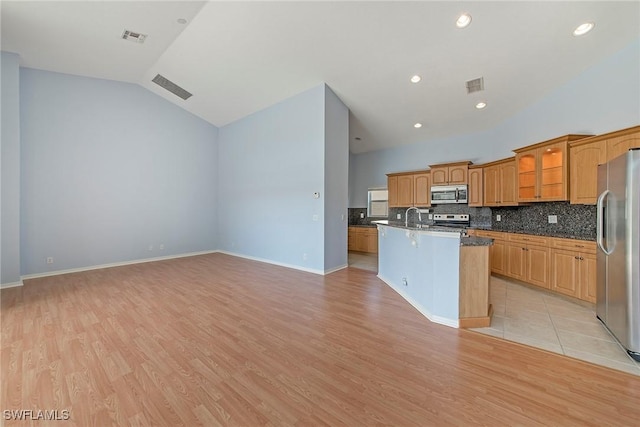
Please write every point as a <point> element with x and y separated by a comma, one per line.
<point>363,239</point>
<point>497,252</point>
<point>573,269</point>
<point>565,266</point>
<point>527,261</point>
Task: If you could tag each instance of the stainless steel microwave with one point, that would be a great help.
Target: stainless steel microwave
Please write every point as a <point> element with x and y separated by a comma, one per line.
<point>444,194</point>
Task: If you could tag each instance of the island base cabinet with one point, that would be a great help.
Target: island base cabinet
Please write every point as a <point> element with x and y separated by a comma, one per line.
<point>475,274</point>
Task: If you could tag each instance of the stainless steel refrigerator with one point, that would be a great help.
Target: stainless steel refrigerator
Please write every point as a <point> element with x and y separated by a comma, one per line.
<point>618,256</point>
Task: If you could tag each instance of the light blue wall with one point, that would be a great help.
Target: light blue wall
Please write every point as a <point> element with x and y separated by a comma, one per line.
<point>108,169</point>
<point>271,163</point>
<point>605,98</point>
<point>10,171</point>
<point>429,261</point>
<point>336,178</point>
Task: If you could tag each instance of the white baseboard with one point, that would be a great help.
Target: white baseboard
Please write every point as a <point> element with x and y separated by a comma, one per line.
<point>454,323</point>
<point>115,264</point>
<point>11,285</point>
<point>281,264</point>
<point>333,270</point>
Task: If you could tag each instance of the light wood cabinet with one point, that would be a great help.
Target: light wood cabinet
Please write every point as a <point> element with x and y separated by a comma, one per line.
<point>363,239</point>
<point>450,173</point>
<point>622,141</point>
<point>528,259</point>
<point>405,190</point>
<point>573,268</point>
<point>422,189</point>
<point>409,189</point>
<point>476,181</point>
<point>583,169</point>
<point>351,238</point>
<point>542,170</point>
<point>392,191</point>
<point>474,277</point>
<point>500,183</point>
<point>586,154</point>
<point>497,251</point>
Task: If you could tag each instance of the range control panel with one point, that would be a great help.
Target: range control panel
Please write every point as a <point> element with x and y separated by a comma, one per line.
<point>460,218</point>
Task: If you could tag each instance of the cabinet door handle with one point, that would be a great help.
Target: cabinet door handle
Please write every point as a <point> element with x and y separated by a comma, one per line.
<point>576,257</point>
<point>581,258</point>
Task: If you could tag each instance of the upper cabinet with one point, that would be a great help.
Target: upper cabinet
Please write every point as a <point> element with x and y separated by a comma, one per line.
<point>500,183</point>
<point>583,169</point>
<point>409,189</point>
<point>586,154</point>
<point>450,173</point>
<point>422,189</point>
<point>620,142</point>
<point>475,194</point>
<point>542,170</point>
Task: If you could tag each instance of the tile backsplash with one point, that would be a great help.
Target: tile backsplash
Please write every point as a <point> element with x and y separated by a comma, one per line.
<point>578,221</point>
<point>573,220</point>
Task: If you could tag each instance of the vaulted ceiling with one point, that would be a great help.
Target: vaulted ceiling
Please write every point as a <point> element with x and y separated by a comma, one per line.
<point>237,58</point>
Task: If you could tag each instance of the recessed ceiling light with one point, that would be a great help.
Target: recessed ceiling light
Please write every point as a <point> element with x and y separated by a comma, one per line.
<point>481,105</point>
<point>417,125</point>
<point>463,20</point>
<point>416,79</point>
<point>583,29</point>
<point>182,21</point>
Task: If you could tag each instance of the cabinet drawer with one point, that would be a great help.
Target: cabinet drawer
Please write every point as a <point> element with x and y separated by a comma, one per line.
<point>497,235</point>
<point>529,239</point>
<point>574,245</point>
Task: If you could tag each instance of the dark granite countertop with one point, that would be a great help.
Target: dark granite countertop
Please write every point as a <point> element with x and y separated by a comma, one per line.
<point>476,241</point>
<point>539,233</point>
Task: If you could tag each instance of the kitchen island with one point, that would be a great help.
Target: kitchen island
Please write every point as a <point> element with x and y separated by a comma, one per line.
<point>443,275</point>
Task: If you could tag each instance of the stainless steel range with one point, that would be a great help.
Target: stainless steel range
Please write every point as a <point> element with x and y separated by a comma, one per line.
<point>455,221</point>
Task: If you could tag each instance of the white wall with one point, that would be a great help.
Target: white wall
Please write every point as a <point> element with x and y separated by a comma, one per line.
<point>10,171</point>
<point>604,98</point>
<point>336,178</point>
<point>108,169</point>
<point>271,163</point>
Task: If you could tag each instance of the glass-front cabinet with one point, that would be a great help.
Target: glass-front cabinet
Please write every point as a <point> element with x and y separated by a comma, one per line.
<point>543,170</point>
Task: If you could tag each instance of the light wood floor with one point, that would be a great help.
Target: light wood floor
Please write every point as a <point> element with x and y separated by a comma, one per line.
<point>218,340</point>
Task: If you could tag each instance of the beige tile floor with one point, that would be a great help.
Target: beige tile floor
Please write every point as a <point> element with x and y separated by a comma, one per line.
<point>544,320</point>
<point>554,323</point>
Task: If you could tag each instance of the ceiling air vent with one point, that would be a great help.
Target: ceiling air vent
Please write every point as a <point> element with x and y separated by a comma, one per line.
<point>134,37</point>
<point>171,87</point>
<point>475,85</point>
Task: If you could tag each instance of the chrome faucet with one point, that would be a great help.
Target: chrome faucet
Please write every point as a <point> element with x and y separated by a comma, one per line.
<point>406,216</point>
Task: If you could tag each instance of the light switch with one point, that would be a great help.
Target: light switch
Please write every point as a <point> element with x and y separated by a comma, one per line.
<point>315,217</point>
<point>553,219</point>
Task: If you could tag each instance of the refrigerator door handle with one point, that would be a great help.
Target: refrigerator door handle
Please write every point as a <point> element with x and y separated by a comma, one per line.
<point>601,225</point>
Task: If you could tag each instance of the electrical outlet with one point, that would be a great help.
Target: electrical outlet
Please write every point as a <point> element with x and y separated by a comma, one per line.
<point>553,219</point>
<point>399,216</point>
<point>361,215</point>
<point>305,256</point>
<point>50,260</point>
<point>161,247</point>
<point>315,217</point>
<point>498,218</point>
<point>404,281</point>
